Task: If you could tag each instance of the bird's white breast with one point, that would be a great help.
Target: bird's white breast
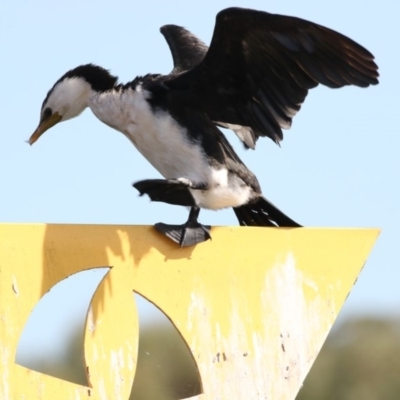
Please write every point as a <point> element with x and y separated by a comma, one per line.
<point>155,134</point>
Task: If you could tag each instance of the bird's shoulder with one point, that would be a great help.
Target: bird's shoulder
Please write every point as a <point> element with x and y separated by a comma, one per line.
<point>150,82</point>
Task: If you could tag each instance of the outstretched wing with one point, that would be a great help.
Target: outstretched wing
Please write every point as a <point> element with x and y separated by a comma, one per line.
<point>260,66</point>
<point>187,50</point>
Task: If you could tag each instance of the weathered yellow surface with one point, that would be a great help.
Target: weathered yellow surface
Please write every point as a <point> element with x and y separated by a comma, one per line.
<point>254,304</point>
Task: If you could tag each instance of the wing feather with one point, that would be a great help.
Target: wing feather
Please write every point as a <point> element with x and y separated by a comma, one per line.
<point>187,50</point>
<point>260,66</point>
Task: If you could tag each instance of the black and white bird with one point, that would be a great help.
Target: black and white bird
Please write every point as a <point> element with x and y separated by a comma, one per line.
<point>252,79</point>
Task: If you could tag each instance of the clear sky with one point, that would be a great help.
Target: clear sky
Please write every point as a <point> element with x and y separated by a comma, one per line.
<point>338,165</point>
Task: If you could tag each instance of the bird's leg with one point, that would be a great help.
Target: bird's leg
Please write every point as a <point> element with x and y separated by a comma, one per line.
<point>176,191</point>
<point>188,234</point>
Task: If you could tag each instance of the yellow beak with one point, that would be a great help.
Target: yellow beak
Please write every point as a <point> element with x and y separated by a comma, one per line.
<point>44,126</point>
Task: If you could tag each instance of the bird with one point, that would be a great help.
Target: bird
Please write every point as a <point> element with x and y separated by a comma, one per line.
<point>251,79</point>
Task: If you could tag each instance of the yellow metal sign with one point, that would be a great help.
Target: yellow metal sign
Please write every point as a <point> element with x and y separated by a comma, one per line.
<point>254,305</point>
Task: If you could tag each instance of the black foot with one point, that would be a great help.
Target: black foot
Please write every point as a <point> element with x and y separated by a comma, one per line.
<point>187,234</point>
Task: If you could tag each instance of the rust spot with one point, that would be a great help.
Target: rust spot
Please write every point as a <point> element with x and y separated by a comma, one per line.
<point>287,368</point>
<point>224,357</point>
<point>245,354</point>
<point>89,392</point>
<point>218,357</point>
<point>283,347</point>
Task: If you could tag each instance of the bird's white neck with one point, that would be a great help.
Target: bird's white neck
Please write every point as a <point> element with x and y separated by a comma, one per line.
<point>70,97</point>
<point>120,109</point>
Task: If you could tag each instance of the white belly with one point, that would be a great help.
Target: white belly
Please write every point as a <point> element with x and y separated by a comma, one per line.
<point>221,192</point>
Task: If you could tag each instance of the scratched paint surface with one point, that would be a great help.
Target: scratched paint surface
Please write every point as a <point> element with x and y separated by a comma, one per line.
<point>254,305</point>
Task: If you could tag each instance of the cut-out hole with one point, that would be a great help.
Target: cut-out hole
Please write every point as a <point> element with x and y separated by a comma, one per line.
<point>166,368</point>
<point>52,339</point>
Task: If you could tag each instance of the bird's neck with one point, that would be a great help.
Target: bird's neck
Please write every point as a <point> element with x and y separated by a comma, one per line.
<point>121,107</point>
<point>89,81</point>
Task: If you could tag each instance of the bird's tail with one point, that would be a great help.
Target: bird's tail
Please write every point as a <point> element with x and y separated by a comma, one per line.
<point>260,212</point>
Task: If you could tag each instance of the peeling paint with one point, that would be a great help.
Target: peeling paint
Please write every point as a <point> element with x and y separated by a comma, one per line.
<point>77,395</point>
<point>101,390</point>
<point>117,365</point>
<point>91,324</point>
<point>301,322</point>
<point>15,285</point>
<point>273,361</point>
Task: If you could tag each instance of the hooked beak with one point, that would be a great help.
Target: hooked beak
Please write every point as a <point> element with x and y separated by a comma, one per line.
<point>44,126</point>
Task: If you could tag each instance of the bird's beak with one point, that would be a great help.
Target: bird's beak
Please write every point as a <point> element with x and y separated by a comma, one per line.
<point>44,126</point>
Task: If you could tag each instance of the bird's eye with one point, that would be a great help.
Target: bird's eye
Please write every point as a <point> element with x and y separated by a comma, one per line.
<point>46,114</point>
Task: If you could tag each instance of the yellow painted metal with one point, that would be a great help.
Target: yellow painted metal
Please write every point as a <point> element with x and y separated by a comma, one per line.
<point>254,304</point>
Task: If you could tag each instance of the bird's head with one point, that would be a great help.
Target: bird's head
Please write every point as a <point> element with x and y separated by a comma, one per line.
<point>70,95</point>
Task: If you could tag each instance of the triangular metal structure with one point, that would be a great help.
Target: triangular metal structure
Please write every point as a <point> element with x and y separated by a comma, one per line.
<point>254,305</point>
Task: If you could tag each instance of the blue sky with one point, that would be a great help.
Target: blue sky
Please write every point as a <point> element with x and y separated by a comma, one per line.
<point>338,165</point>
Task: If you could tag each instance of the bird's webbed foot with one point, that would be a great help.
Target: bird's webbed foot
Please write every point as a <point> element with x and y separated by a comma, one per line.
<point>188,234</point>
<point>176,191</point>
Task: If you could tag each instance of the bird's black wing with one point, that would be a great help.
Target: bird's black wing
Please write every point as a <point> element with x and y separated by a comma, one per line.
<point>187,50</point>
<point>260,66</point>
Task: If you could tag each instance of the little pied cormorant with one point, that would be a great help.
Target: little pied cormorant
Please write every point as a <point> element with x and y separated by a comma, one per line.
<point>252,79</point>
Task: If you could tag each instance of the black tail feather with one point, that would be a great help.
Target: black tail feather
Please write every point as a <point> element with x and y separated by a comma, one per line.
<point>262,213</point>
